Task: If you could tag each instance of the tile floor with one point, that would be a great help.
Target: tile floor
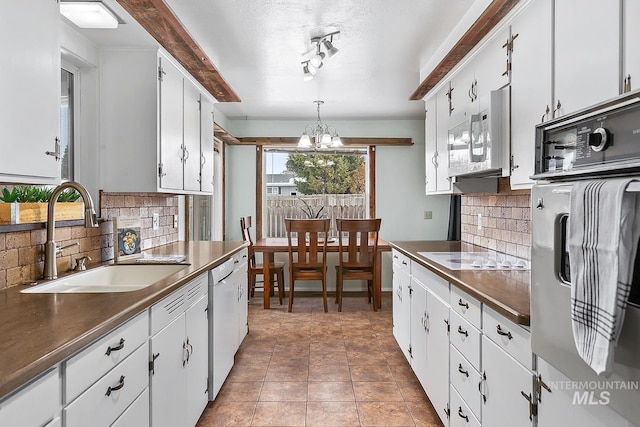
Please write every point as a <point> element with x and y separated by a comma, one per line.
<point>310,368</point>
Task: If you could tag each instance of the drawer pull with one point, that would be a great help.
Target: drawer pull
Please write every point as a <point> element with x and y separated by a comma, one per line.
<point>115,388</point>
<point>116,348</point>
<point>462,415</point>
<point>462,331</point>
<point>462,371</point>
<point>503,333</point>
<point>463,304</point>
<point>404,262</point>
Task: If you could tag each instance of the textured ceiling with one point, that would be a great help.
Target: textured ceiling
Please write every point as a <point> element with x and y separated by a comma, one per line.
<point>257,47</point>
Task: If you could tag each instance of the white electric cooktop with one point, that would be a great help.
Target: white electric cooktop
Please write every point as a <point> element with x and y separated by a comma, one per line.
<point>489,260</point>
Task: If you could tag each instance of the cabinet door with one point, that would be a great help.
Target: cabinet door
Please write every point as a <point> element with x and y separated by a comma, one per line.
<point>504,383</point>
<point>631,36</point>
<point>586,408</point>
<point>418,330</point>
<point>171,109</point>
<point>242,310</point>
<point>430,145</point>
<point>206,145</point>
<point>198,359</point>
<point>401,307</point>
<point>168,399</point>
<point>224,332</point>
<point>191,139</point>
<point>30,90</point>
<point>437,364</point>
<point>587,56</point>
<point>19,409</point>
<point>530,86</point>
<point>490,65</point>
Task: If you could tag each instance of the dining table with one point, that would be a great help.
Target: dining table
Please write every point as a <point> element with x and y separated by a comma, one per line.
<point>269,246</point>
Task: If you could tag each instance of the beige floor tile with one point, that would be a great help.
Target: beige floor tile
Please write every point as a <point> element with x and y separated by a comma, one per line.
<point>280,414</point>
<point>403,373</point>
<point>412,391</point>
<point>327,414</point>
<point>424,415</point>
<point>387,414</point>
<point>329,391</point>
<point>377,391</point>
<point>247,391</point>
<point>287,373</point>
<point>329,372</point>
<point>283,391</point>
<point>377,373</point>
<point>228,414</point>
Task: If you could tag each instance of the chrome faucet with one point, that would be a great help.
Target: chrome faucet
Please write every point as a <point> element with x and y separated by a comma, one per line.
<point>50,248</point>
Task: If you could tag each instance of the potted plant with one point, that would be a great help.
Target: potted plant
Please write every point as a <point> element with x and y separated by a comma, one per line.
<point>28,204</point>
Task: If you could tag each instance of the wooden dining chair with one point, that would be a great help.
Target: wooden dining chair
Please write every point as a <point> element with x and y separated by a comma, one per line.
<point>358,255</point>
<point>276,269</point>
<point>310,246</point>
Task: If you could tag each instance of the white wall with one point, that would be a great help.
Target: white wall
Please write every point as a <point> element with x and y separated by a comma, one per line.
<point>400,198</point>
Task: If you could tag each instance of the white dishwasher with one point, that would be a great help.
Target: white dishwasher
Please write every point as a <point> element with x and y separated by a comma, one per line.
<point>221,350</point>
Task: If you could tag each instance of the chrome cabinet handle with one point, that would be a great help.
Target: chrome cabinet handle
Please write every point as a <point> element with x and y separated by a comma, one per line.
<point>462,371</point>
<point>116,348</point>
<point>482,380</point>
<point>503,333</point>
<point>115,388</point>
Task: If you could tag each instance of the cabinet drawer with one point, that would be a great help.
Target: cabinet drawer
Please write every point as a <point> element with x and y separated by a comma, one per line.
<point>21,410</point>
<point>196,289</point>
<point>467,306</point>
<point>435,283</point>
<point>466,338</point>
<point>136,415</point>
<point>97,359</point>
<point>461,415</point>
<point>513,339</point>
<point>465,378</point>
<point>401,261</point>
<point>240,258</point>
<point>104,401</point>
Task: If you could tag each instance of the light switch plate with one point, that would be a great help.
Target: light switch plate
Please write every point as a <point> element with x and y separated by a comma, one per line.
<point>156,221</point>
<point>175,221</point>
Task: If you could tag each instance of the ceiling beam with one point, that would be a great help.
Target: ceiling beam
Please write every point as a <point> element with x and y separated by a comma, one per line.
<point>353,142</point>
<point>224,136</point>
<point>155,17</point>
<point>485,22</point>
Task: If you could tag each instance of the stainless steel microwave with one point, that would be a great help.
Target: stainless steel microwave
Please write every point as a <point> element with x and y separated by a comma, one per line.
<point>478,145</point>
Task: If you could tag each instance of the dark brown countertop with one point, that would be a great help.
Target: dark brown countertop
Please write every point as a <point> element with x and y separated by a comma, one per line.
<point>507,292</point>
<point>37,331</point>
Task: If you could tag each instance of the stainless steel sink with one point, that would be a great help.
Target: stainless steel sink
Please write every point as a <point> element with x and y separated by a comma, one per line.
<point>110,278</point>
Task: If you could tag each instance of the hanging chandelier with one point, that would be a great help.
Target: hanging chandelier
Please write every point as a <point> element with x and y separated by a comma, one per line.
<point>324,136</point>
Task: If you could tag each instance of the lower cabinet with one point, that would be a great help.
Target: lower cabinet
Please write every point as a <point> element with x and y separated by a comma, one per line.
<point>401,302</point>
<point>19,408</point>
<point>137,414</point>
<point>179,356</point>
<point>240,283</point>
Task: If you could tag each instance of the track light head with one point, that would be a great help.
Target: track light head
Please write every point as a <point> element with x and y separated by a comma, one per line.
<point>316,61</point>
<point>331,49</point>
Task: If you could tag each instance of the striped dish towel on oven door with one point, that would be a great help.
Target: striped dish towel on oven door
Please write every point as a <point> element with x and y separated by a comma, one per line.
<point>603,235</point>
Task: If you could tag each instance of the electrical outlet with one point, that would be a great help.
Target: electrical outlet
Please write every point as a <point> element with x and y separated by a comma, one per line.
<point>175,221</point>
<point>479,221</point>
<point>156,221</point>
<point>428,214</point>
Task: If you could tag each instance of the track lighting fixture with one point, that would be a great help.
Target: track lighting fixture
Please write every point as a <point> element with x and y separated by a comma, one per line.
<point>310,66</point>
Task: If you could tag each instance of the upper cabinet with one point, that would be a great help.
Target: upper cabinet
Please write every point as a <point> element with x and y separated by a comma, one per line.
<point>531,93</point>
<point>160,140</point>
<point>30,91</point>
<point>587,53</point>
<point>631,37</point>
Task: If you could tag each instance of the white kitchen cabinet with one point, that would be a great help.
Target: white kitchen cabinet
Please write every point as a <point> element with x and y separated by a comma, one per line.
<point>240,283</point>
<point>224,333</point>
<point>490,65</point>
<point>531,91</point>
<point>207,154</point>
<point>402,303</point>
<point>137,414</point>
<point>437,357</point>
<point>587,53</point>
<point>556,392</point>
<point>418,330</point>
<point>506,388</point>
<point>30,88</point>
<point>153,143</point>
<point>19,409</point>
<point>197,366</point>
<point>631,43</point>
<point>178,356</point>
<point>431,146</point>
